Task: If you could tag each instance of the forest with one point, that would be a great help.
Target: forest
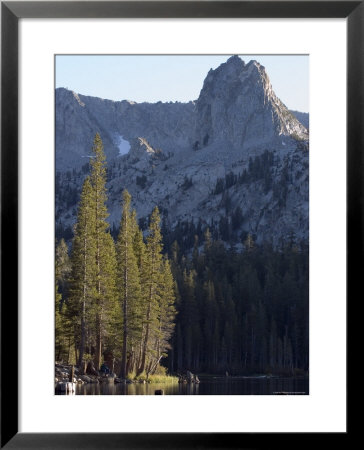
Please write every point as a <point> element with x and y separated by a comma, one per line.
<point>157,300</point>
<point>112,298</point>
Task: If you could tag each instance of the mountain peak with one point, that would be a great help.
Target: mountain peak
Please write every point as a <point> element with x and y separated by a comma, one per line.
<point>240,65</point>
<point>236,61</point>
<point>151,149</point>
<point>235,67</point>
<point>237,105</point>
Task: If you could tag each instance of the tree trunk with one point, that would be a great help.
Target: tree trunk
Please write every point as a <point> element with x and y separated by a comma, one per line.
<point>83,317</point>
<point>76,356</point>
<point>82,343</point>
<point>125,313</point>
<point>98,350</point>
<point>145,343</point>
<point>140,350</point>
<point>69,350</point>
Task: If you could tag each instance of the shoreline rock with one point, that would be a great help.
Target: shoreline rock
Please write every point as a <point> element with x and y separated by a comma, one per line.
<point>188,378</point>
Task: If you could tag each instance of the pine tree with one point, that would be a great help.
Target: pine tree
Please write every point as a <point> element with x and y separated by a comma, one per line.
<point>153,279</point>
<point>105,257</point>
<point>64,337</point>
<point>119,299</point>
<point>106,306</point>
<point>83,261</point>
<point>59,332</point>
<point>63,267</point>
<point>210,314</point>
<point>140,252</point>
<point>64,330</point>
<point>128,280</point>
<point>249,243</point>
<point>166,314</point>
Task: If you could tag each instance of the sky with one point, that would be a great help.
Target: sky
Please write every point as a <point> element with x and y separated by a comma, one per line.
<point>153,78</point>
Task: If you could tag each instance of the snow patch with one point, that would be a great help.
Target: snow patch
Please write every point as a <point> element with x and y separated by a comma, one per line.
<point>122,144</point>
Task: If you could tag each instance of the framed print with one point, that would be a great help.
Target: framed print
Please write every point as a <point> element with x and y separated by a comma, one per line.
<point>183,167</point>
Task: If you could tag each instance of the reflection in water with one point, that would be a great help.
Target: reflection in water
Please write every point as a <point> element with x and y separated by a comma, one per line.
<point>208,386</point>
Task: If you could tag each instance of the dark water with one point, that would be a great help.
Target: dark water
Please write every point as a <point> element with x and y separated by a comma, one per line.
<point>208,386</point>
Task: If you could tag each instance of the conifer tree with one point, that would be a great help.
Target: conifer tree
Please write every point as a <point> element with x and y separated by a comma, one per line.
<point>58,324</point>
<point>120,299</point>
<point>63,267</point>
<point>128,280</point>
<point>105,257</point>
<point>138,243</point>
<point>153,280</point>
<point>106,306</point>
<point>141,258</point>
<point>64,331</point>
<point>166,313</point>
<point>63,327</point>
<point>82,283</point>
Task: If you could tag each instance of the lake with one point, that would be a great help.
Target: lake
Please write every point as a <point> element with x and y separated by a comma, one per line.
<point>259,385</point>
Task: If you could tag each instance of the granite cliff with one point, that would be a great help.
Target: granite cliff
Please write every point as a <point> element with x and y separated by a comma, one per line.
<point>236,159</point>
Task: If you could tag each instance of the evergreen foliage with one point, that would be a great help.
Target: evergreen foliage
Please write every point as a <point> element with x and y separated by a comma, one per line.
<point>83,274</point>
<point>63,326</point>
<point>128,283</point>
<point>183,298</point>
<point>113,299</point>
<point>259,168</point>
<point>241,312</point>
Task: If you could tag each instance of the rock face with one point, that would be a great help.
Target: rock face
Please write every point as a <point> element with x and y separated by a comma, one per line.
<point>236,146</point>
<point>78,118</point>
<point>237,107</point>
<point>303,118</point>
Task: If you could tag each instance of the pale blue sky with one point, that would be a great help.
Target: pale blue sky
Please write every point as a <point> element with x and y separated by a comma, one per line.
<point>153,78</point>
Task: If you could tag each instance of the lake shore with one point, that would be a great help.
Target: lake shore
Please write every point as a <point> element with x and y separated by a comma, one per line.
<point>207,386</point>
<point>63,374</point>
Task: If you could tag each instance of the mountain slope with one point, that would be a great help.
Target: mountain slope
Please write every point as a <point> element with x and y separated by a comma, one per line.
<point>235,160</point>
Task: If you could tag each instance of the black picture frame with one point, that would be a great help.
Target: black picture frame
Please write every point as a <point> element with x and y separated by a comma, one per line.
<point>11,12</point>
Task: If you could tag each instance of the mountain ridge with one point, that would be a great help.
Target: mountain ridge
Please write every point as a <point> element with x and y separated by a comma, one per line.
<point>179,153</point>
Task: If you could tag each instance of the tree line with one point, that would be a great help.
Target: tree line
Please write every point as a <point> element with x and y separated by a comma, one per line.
<point>241,312</point>
<point>112,298</point>
<point>183,298</point>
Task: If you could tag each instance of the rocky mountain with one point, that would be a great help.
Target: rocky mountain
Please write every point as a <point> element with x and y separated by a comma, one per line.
<point>303,118</point>
<point>236,159</point>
